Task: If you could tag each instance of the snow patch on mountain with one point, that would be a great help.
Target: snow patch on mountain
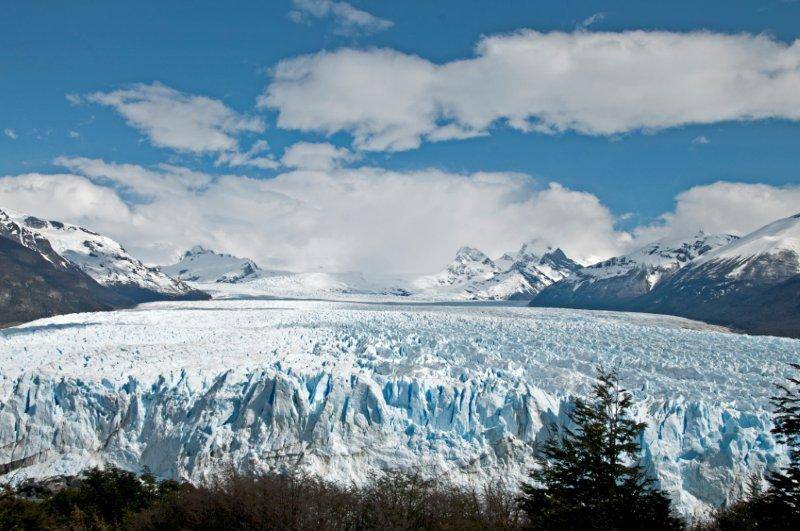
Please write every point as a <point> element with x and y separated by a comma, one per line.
<point>469,266</point>
<point>342,390</point>
<point>518,275</point>
<point>204,265</point>
<point>10,228</point>
<point>98,256</point>
<point>778,241</point>
<point>653,261</point>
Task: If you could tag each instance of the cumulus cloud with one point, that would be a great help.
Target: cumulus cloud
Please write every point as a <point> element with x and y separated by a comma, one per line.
<point>349,20</point>
<point>701,140</point>
<point>146,184</point>
<point>183,122</point>
<point>255,156</point>
<point>724,207</point>
<point>315,156</point>
<point>595,83</point>
<point>64,196</point>
<point>10,133</point>
<point>339,219</point>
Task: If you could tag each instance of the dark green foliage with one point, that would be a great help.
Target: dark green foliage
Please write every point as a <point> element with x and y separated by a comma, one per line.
<point>590,476</point>
<point>19,513</point>
<point>116,499</point>
<point>785,484</point>
<point>99,499</point>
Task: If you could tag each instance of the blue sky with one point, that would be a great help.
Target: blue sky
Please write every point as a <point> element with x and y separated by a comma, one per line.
<point>229,54</point>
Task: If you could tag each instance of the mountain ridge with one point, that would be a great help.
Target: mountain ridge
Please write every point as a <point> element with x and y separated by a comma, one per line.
<point>748,283</point>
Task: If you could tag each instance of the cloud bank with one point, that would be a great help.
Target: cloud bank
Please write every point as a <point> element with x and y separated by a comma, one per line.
<point>595,83</point>
<point>367,219</point>
<point>337,219</point>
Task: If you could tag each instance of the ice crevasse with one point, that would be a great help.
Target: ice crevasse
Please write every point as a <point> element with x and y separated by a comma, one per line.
<point>343,390</point>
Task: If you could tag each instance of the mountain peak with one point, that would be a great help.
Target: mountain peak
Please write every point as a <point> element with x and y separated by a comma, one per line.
<point>470,253</point>
<point>197,250</point>
<point>199,264</point>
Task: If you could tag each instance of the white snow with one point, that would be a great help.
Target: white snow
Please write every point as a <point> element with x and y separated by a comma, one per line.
<point>98,256</point>
<point>472,275</point>
<point>655,259</point>
<point>779,236</point>
<point>204,265</point>
<point>342,389</point>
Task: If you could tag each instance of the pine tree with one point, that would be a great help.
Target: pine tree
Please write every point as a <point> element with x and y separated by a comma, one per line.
<point>590,475</point>
<point>784,490</point>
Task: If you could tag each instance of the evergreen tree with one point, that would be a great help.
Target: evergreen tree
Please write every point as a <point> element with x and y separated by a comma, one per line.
<point>590,475</point>
<point>784,485</point>
<point>779,506</point>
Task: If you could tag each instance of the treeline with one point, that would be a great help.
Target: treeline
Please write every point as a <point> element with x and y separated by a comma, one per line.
<point>118,499</point>
<point>589,477</point>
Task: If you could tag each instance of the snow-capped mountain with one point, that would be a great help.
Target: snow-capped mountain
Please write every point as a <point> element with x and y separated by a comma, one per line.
<point>618,283</point>
<point>518,275</point>
<point>13,230</point>
<point>752,284</point>
<point>100,257</point>
<point>36,284</point>
<point>468,267</point>
<point>199,264</point>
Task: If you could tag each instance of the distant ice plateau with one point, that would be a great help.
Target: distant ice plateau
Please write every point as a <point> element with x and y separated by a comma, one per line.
<point>345,388</point>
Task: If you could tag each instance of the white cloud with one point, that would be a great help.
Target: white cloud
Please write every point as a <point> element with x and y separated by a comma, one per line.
<point>73,134</point>
<point>147,184</point>
<point>342,219</point>
<point>594,19</point>
<point>184,122</point>
<point>315,156</point>
<point>10,133</point>
<point>724,207</point>
<point>348,19</point>
<point>64,196</point>
<point>596,83</point>
<point>365,218</point>
<point>252,157</point>
<point>701,140</point>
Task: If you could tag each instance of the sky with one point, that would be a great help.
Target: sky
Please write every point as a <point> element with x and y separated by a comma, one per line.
<point>382,136</point>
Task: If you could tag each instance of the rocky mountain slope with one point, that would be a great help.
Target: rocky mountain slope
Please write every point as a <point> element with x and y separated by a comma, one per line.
<point>98,256</point>
<point>749,283</point>
<point>199,264</point>
<point>518,275</point>
<point>32,287</point>
<point>620,282</point>
<point>752,284</point>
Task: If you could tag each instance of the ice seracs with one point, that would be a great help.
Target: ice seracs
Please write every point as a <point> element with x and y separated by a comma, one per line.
<point>342,390</point>
<point>199,264</point>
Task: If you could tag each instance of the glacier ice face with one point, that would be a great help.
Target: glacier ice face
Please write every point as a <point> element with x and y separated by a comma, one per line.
<point>342,389</point>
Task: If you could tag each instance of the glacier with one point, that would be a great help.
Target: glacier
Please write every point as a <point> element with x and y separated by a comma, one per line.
<point>342,389</point>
